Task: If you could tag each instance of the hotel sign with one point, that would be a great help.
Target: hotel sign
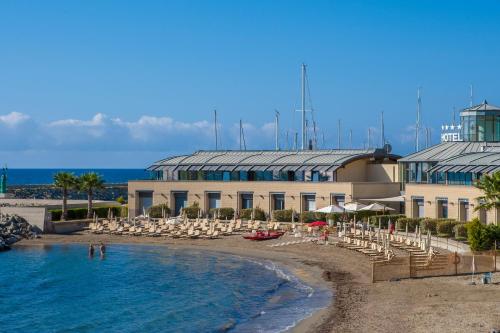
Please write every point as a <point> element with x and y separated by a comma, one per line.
<point>451,133</point>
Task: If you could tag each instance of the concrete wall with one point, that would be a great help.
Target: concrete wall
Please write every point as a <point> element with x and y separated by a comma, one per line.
<point>430,192</point>
<point>68,227</point>
<point>36,216</point>
<point>262,192</point>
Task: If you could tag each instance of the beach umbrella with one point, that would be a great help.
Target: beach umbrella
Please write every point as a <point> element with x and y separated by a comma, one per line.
<point>376,207</point>
<point>354,207</point>
<point>318,224</point>
<point>330,209</point>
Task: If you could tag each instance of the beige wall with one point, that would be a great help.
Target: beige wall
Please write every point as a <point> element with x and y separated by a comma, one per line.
<point>197,190</point>
<point>430,192</point>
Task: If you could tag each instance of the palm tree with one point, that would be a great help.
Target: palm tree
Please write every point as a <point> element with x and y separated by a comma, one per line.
<point>89,182</point>
<point>65,181</point>
<point>490,185</point>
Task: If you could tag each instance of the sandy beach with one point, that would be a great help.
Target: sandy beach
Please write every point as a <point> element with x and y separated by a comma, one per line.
<point>444,304</point>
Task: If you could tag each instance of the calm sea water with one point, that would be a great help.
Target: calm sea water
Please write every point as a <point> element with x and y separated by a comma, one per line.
<point>45,176</point>
<point>147,289</point>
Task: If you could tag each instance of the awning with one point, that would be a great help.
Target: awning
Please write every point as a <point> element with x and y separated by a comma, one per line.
<point>399,198</point>
<point>259,168</point>
<point>243,168</point>
<point>274,168</point>
<point>210,167</point>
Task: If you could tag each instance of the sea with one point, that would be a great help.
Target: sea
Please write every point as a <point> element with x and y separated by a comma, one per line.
<point>45,176</point>
<point>147,288</point>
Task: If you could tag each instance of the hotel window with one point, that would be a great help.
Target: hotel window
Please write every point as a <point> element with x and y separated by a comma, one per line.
<point>338,199</point>
<point>463,210</point>
<point>278,201</point>
<point>243,176</point>
<point>235,176</point>
<point>315,176</point>
<point>145,201</point>
<point>246,200</point>
<point>418,207</point>
<point>226,176</point>
<point>309,202</point>
<point>299,176</point>
<point>213,199</point>
<point>442,208</point>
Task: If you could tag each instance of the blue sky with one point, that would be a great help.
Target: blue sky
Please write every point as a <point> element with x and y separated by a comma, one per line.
<point>124,83</point>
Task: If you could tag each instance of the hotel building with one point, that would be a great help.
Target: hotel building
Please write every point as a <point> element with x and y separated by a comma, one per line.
<point>271,180</point>
<point>438,181</point>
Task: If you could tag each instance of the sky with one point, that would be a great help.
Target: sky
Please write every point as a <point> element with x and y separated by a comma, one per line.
<point>120,84</point>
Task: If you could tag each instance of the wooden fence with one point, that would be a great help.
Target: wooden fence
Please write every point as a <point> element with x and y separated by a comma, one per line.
<point>436,265</point>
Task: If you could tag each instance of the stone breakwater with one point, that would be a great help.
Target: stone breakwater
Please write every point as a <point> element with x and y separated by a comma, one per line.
<point>13,228</point>
<point>109,193</point>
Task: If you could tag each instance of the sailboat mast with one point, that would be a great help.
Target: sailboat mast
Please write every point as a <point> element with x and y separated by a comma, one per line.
<point>304,139</point>
<point>417,124</point>
<point>277,128</point>
<point>215,130</point>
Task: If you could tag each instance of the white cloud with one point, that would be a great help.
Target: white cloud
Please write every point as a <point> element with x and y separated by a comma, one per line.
<point>97,120</point>
<point>13,119</point>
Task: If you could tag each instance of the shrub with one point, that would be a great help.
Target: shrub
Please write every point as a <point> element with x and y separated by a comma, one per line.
<point>259,214</point>
<point>121,200</point>
<point>306,217</point>
<point>460,231</point>
<point>226,213</point>
<point>81,213</point>
<point>283,215</point>
<point>446,228</point>
<point>373,220</point>
<point>479,236</point>
<point>411,222</point>
<point>157,210</point>
<point>192,211</point>
<point>428,225</point>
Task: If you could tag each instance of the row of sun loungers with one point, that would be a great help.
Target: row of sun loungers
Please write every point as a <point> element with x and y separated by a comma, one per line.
<point>375,251</point>
<point>178,228</point>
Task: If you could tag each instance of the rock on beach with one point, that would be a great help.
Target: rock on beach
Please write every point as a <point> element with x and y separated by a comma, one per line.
<point>13,228</point>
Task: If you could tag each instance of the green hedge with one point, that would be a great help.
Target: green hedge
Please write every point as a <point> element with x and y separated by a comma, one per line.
<point>411,222</point>
<point>283,215</point>
<point>156,211</point>
<point>432,224</point>
<point>226,213</point>
<point>192,211</point>
<point>373,220</point>
<point>460,231</point>
<point>81,213</point>
<point>246,214</point>
<point>446,228</point>
<point>482,237</point>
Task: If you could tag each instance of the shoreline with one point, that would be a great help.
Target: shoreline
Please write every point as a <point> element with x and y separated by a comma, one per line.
<point>439,304</point>
<point>313,276</point>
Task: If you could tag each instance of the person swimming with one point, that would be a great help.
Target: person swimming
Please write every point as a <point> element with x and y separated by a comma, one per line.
<point>91,250</point>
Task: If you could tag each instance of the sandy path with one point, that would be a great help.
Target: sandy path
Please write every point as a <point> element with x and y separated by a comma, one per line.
<point>446,304</point>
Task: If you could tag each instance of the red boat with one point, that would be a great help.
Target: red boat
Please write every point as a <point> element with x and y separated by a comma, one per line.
<point>264,235</point>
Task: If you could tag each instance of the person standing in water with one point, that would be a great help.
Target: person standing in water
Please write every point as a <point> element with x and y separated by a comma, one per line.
<point>102,248</point>
<point>91,250</point>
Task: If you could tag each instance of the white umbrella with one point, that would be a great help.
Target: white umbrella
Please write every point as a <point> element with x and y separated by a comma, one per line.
<point>354,207</point>
<point>330,209</point>
<point>376,207</point>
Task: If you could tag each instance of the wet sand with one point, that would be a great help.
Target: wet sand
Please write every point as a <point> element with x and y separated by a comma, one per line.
<point>444,304</point>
